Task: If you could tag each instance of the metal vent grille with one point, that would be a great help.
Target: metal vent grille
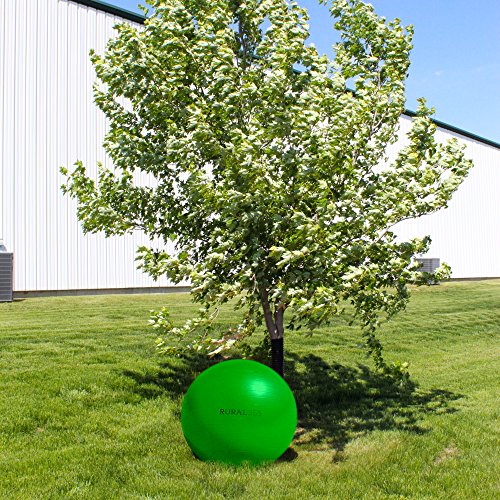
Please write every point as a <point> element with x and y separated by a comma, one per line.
<point>6,274</point>
<point>428,265</point>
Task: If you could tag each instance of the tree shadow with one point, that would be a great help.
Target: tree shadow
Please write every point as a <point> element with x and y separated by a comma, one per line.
<point>336,403</point>
<point>172,377</point>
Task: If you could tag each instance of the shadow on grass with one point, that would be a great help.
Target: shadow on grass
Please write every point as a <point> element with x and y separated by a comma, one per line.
<point>172,377</point>
<point>336,403</point>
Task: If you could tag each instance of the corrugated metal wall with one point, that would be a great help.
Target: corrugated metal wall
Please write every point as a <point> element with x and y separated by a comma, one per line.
<point>48,119</point>
<point>467,234</point>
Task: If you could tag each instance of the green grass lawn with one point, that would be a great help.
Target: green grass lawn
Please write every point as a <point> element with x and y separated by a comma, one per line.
<point>89,410</point>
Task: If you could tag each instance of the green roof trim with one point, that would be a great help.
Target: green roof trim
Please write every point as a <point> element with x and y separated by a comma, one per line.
<point>457,130</point>
<point>112,9</point>
<point>139,18</point>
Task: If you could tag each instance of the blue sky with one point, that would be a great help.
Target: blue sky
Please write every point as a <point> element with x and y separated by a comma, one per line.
<point>455,62</point>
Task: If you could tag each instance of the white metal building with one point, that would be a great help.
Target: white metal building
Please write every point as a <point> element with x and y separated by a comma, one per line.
<point>48,119</point>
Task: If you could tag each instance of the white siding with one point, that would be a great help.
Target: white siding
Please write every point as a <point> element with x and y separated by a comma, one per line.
<point>48,119</point>
<point>466,235</point>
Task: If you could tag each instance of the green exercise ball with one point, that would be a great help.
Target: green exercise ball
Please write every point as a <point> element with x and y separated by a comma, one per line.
<point>239,411</point>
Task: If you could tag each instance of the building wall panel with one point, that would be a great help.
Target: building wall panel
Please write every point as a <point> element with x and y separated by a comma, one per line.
<point>466,235</point>
<point>48,119</point>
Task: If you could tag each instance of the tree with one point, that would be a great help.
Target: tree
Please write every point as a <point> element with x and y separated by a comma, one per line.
<point>273,183</point>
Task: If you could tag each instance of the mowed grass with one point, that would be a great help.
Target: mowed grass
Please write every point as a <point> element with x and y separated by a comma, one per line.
<point>89,410</point>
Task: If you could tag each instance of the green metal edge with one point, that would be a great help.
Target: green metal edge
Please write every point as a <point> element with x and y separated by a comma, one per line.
<point>138,18</point>
<point>457,130</point>
<point>112,9</point>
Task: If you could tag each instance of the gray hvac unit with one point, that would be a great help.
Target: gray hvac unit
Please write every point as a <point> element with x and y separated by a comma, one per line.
<point>429,266</point>
<point>6,273</point>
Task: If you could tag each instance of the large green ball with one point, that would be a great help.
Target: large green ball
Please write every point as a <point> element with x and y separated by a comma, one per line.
<point>239,411</point>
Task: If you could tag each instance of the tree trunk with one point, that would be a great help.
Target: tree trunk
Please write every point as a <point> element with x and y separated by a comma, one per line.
<point>276,332</point>
<point>277,344</point>
<point>277,356</point>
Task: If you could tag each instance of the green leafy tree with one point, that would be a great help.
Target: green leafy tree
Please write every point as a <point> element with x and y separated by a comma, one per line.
<point>270,175</point>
